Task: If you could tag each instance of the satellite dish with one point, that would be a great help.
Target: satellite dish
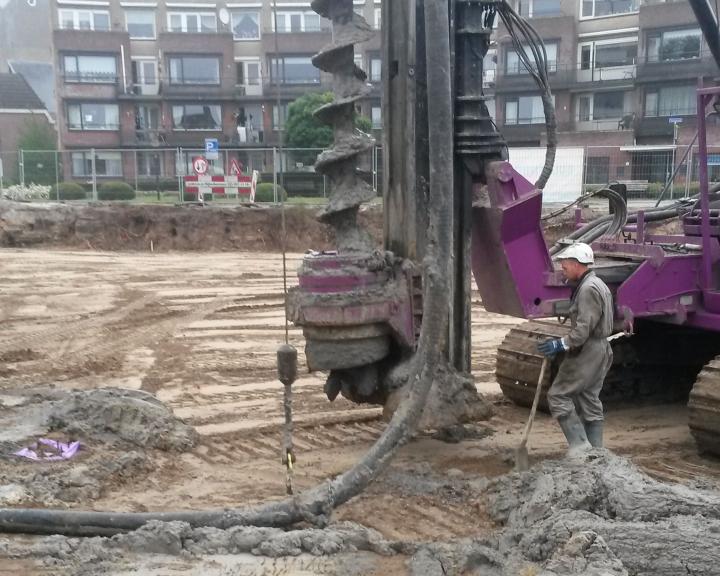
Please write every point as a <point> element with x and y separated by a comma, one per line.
<point>224,16</point>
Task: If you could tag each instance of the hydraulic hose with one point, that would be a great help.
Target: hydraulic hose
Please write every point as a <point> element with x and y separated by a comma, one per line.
<point>424,366</point>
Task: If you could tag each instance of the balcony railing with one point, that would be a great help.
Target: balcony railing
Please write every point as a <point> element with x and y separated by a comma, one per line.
<point>90,77</point>
<point>570,74</point>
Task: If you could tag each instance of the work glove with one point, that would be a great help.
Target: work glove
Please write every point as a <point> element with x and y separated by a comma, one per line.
<point>551,347</point>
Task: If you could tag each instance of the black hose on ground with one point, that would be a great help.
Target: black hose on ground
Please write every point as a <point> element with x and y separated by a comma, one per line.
<point>424,367</point>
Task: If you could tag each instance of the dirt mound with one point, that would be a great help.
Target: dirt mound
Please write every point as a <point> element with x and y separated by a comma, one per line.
<point>594,516</point>
<point>183,227</point>
<point>130,415</point>
<point>118,431</point>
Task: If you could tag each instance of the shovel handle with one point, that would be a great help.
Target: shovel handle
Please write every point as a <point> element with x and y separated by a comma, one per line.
<point>536,401</point>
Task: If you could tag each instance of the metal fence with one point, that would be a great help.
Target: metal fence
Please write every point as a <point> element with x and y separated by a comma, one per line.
<point>157,174</point>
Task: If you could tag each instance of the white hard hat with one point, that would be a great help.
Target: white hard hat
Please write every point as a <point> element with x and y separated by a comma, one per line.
<point>578,251</point>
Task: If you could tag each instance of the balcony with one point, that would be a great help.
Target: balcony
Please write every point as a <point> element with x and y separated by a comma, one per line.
<point>196,42</point>
<point>659,70</point>
<point>650,126</point>
<point>625,122</point>
<point>297,87</point>
<point>564,77</point>
<point>89,86</point>
<point>307,42</point>
<point>91,40</point>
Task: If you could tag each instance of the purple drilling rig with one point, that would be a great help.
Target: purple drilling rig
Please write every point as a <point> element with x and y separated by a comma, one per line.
<point>360,308</point>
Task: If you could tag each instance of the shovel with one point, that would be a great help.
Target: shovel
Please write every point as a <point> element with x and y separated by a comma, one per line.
<point>522,462</point>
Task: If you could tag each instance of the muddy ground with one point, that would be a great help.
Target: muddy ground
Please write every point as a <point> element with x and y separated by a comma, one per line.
<point>198,333</point>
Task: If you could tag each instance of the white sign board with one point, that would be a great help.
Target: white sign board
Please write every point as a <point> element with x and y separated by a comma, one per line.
<point>1,168</point>
<point>565,183</point>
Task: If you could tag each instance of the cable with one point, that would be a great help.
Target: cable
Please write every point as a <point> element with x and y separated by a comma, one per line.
<point>539,72</point>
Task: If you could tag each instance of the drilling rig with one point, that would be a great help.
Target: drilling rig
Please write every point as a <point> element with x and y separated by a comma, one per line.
<point>361,308</point>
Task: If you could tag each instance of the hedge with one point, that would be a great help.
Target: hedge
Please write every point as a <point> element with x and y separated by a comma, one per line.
<point>115,191</point>
<point>265,192</point>
<point>68,191</point>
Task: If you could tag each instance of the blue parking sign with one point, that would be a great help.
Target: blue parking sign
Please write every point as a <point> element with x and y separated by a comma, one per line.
<point>211,148</point>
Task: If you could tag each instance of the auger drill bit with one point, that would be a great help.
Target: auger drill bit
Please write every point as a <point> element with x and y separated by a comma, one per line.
<point>339,163</point>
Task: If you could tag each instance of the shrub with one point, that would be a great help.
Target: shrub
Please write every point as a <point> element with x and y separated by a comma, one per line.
<point>115,191</point>
<point>265,192</point>
<point>68,191</point>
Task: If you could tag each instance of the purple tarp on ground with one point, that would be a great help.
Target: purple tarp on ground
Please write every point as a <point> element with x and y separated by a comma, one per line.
<point>49,450</point>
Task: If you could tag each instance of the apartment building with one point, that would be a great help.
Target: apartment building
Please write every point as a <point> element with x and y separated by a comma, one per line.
<point>623,74</point>
<point>160,77</point>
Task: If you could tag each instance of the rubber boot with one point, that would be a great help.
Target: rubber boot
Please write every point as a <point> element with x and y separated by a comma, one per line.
<point>594,432</point>
<point>575,434</point>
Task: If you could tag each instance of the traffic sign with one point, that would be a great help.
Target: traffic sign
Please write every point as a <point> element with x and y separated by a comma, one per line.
<point>212,147</point>
<point>675,120</point>
<point>200,165</point>
<point>235,167</point>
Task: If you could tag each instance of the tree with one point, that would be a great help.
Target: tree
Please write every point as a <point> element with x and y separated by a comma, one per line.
<point>38,141</point>
<point>304,130</point>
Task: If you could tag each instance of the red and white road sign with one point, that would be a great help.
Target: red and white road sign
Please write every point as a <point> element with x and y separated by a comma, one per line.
<point>200,165</point>
<point>235,167</point>
<point>223,185</point>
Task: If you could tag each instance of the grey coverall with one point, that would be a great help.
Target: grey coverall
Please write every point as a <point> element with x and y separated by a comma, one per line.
<point>582,371</point>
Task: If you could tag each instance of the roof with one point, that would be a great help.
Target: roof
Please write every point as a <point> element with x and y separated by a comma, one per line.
<point>16,93</point>
<point>40,76</point>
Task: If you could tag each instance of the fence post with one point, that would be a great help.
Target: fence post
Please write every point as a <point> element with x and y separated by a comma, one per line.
<point>275,175</point>
<point>57,176</point>
<point>178,164</point>
<point>93,174</point>
<point>22,167</point>
<point>688,172</point>
<point>136,169</point>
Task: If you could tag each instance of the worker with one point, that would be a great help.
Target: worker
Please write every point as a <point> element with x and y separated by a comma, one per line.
<point>587,352</point>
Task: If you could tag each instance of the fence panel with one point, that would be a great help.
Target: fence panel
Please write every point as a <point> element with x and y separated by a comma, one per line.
<point>156,175</point>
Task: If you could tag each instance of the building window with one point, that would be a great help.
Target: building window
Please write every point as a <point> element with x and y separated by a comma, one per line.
<point>671,101</point>
<point>513,65</point>
<point>194,70</point>
<point>538,8</point>
<point>93,116</point>
<point>278,116</point>
<point>376,117</point>
<point>377,23</point>
<point>597,170</point>
<point>248,72</point>
<point>297,22</point>
<point>192,22</point>
<point>294,70</point>
<point>149,164</point>
<point>246,25</point>
<point>358,59</point>
<point>84,20</point>
<point>524,110</point>
<point>608,53</point>
<point>600,106</point>
<point>197,117</point>
<point>145,76</point>
<point>140,24</point>
<point>674,45</point>
<point>375,70</point>
<point>147,117</point>
<point>600,8</point>
<point>106,164</point>
<point>93,69</point>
